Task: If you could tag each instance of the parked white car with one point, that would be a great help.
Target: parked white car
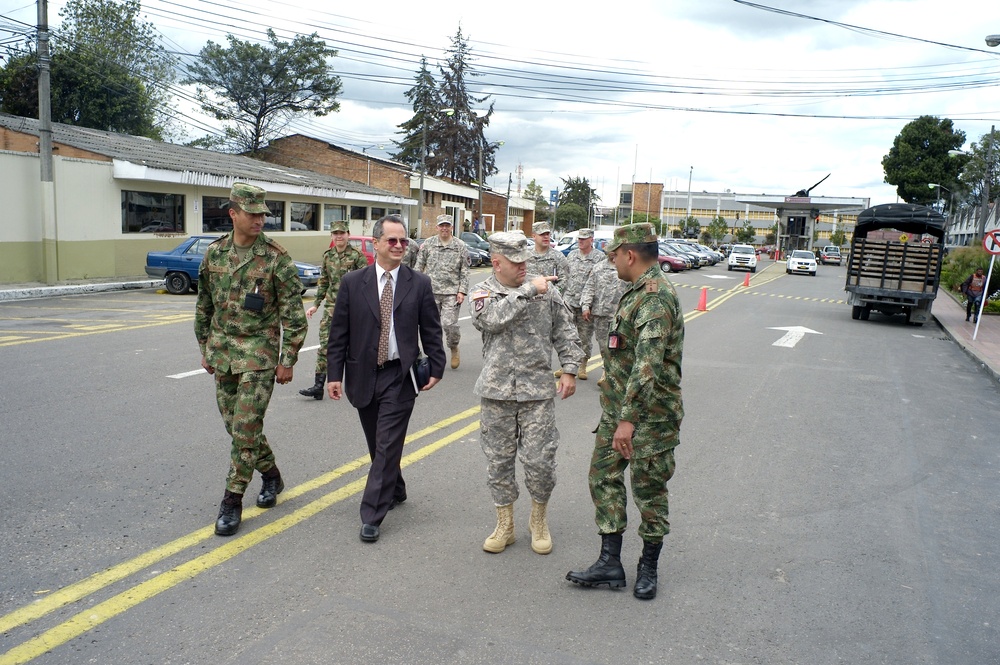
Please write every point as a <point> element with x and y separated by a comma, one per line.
<point>742,256</point>
<point>801,260</point>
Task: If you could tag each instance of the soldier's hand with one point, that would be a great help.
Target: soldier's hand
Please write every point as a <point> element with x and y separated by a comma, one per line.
<point>622,441</point>
<point>567,385</point>
<point>283,375</point>
<point>205,366</point>
<point>542,283</point>
<point>460,298</point>
<point>586,315</point>
<point>311,311</point>
<point>333,389</point>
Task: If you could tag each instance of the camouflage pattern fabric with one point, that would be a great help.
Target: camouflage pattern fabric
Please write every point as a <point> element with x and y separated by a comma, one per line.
<point>448,309</point>
<point>649,476</point>
<point>411,255</point>
<point>520,328</point>
<point>446,265</point>
<point>579,266</point>
<point>527,431</point>
<point>550,263</point>
<point>243,400</point>
<point>335,265</point>
<point>600,295</point>
<point>235,339</point>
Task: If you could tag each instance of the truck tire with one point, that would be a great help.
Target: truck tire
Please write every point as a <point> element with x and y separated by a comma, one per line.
<point>856,312</point>
<point>865,312</point>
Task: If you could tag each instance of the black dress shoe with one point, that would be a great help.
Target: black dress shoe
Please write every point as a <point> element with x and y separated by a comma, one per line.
<point>396,500</point>
<point>369,533</point>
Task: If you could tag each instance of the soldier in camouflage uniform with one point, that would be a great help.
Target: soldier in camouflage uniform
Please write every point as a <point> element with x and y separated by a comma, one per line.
<point>445,259</point>
<point>250,325</point>
<point>581,263</point>
<point>521,319</point>
<point>545,259</point>
<point>340,259</point>
<point>599,301</point>
<point>641,411</point>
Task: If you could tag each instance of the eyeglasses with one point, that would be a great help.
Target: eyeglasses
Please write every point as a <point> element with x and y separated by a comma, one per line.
<point>392,242</point>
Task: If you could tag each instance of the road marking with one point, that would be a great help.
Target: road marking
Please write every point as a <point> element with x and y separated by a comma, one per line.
<point>184,375</point>
<point>97,581</point>
<point>793,336</point>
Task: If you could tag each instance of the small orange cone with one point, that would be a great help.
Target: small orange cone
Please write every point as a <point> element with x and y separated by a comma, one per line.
<point>703,301</point>
<point>746,280</point>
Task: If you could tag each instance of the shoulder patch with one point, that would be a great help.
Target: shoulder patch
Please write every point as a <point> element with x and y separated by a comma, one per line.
<point>652,286</point>
<point>480,294</point>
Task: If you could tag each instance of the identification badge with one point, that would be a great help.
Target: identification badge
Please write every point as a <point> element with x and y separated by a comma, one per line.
<point>613,340</point>
<point>254,302</point>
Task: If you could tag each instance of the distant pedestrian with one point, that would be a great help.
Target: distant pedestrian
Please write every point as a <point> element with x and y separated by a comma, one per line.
<point>337,261</point>
<point>545,259</point>
<point>522,320</point>
<point>641,412</point>
<point>445,259</point>
<point>973,287</point>
<point>581,262</point>
<point>250,326</point>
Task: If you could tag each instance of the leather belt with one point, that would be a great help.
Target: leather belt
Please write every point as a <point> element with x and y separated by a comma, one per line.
<point>387,364</point>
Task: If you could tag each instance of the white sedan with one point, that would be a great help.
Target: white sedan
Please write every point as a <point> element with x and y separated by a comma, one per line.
<point>801,261</point>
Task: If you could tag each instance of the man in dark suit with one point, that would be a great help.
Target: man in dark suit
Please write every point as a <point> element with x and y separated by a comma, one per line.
<point>369,356</point>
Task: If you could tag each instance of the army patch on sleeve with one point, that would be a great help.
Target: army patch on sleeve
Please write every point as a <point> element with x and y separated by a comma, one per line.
<point>479,299</point>
<point>652,286</point>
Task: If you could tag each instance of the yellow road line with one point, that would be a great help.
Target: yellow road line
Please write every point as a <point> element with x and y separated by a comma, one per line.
<point>98,614</point>
<point>98,581</point>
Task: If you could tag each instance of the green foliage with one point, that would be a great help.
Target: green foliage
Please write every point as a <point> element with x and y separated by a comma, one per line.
<point>257,89</point>
<point>919,156</point>
<point>838,237</point>
<point>426,101</point>
<point>691,227</point>
<point>975,169</point>
<point>746,234</point>
<point>676,233</point>
<point>578,191</point>
<point>570,216</point>
<point>706,238</point>
<point>717,228</point>
<point>962,262</point>
<point>642,218</point>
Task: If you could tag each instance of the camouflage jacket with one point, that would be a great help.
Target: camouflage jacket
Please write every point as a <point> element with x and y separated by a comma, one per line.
<point>335,266</point>
<point>580,267</point>
<point>410,257</point>
<point>642,376</point>
<point>446,265</point>
<point>520,328</point>
<point>603,290</point>
<point>550,263</point>
<point>235,339</point>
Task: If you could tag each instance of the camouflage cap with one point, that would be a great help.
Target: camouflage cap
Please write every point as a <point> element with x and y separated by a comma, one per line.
<point>511,244</point>
<point>632,234</point>
<point>249,198</point>
<point>585,233</point>
<point>541,227</point>
<point>339,227</point>
<point>446,219</point>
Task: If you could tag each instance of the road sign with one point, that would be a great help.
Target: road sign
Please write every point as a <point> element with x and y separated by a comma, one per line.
<point>991,241</point>
<point>553,196</point>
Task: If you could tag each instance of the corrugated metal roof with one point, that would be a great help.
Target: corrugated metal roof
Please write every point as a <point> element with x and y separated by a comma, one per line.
<point>196,165</point>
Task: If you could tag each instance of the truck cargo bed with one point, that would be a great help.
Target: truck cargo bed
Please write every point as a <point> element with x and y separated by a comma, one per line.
<point>884,265</point>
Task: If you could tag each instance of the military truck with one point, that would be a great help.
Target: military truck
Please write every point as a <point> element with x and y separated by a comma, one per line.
<point>895,262</point>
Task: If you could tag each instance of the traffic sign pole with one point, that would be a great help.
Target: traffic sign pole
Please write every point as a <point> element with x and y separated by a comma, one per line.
<point>986,293</point>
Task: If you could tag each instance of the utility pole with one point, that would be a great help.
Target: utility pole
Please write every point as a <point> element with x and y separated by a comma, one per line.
<point>50,230</point>
<point>984,209</point>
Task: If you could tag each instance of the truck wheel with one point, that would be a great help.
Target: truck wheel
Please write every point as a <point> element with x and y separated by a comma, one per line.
<point>856,312</point>
<point>865,312</point>
<point>177,283</point>
<point>754,269</point>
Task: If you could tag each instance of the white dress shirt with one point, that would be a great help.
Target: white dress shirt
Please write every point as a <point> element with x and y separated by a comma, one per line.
<point>380,272</point>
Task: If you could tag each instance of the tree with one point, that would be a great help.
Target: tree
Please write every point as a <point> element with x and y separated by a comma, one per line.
<point>718,228</point>
<point>641,218</point>
<point>974,169</point>
<point>838,237</point>
<point>456,131</point>
<point>578,191</point>
<point>257,89</point>
<point>570,216</point>
<point>108,71</point>
<point>534,192</point>
<point>746,234</point>
<point>691,226</point>
<point>425,98</point>
<point>919,156</point>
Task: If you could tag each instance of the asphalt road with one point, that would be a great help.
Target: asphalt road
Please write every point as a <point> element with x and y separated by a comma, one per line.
<point>835,501</point>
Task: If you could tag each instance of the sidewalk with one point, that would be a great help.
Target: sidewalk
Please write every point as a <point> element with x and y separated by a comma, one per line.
<point>985,350</point>
<point>38,290</point>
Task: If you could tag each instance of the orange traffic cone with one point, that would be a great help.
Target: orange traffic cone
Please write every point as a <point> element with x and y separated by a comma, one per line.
<point>746,280</point>
<point>703,301</point>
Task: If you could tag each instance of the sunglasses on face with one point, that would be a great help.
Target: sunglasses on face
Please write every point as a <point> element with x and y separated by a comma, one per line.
<point>402,242</point>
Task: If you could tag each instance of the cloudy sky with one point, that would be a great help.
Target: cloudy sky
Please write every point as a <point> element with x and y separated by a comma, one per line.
<point>730,93</point>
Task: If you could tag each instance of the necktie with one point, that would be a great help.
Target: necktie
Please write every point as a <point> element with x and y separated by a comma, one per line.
<point>385,309</point>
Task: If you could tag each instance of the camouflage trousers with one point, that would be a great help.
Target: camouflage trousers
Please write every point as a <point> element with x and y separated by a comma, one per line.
<point>324,337</point>
<point>448,308</point>
<point>526,430</point>
<point>243,399</point>
<point>586,331</point>
<point>602,326</point>
<point>650,471</point>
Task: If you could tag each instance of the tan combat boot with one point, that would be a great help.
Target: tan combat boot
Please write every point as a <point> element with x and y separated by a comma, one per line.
<point>582,374</point>
<point>503,535</point>
<point>541,540</point>
<point>456,358</point>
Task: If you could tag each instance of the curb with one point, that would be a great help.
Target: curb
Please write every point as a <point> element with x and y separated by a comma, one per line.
<point>73,289</point>
<point>993,372</point>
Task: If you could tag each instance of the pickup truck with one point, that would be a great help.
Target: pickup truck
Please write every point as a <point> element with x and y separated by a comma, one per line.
<point>895,262</point>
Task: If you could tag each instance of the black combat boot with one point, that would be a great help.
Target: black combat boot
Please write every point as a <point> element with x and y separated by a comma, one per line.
<point>645,574</point>
<point>607,570</point>
<point>230,514</point>
<point>271,488</point>
<point>317,390</point>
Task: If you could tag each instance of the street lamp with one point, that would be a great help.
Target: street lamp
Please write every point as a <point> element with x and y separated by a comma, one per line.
<point>932,185</point>
<point>993,40</point>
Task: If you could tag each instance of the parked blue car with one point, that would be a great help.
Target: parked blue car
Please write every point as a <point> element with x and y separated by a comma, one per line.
<point>178,268</point>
